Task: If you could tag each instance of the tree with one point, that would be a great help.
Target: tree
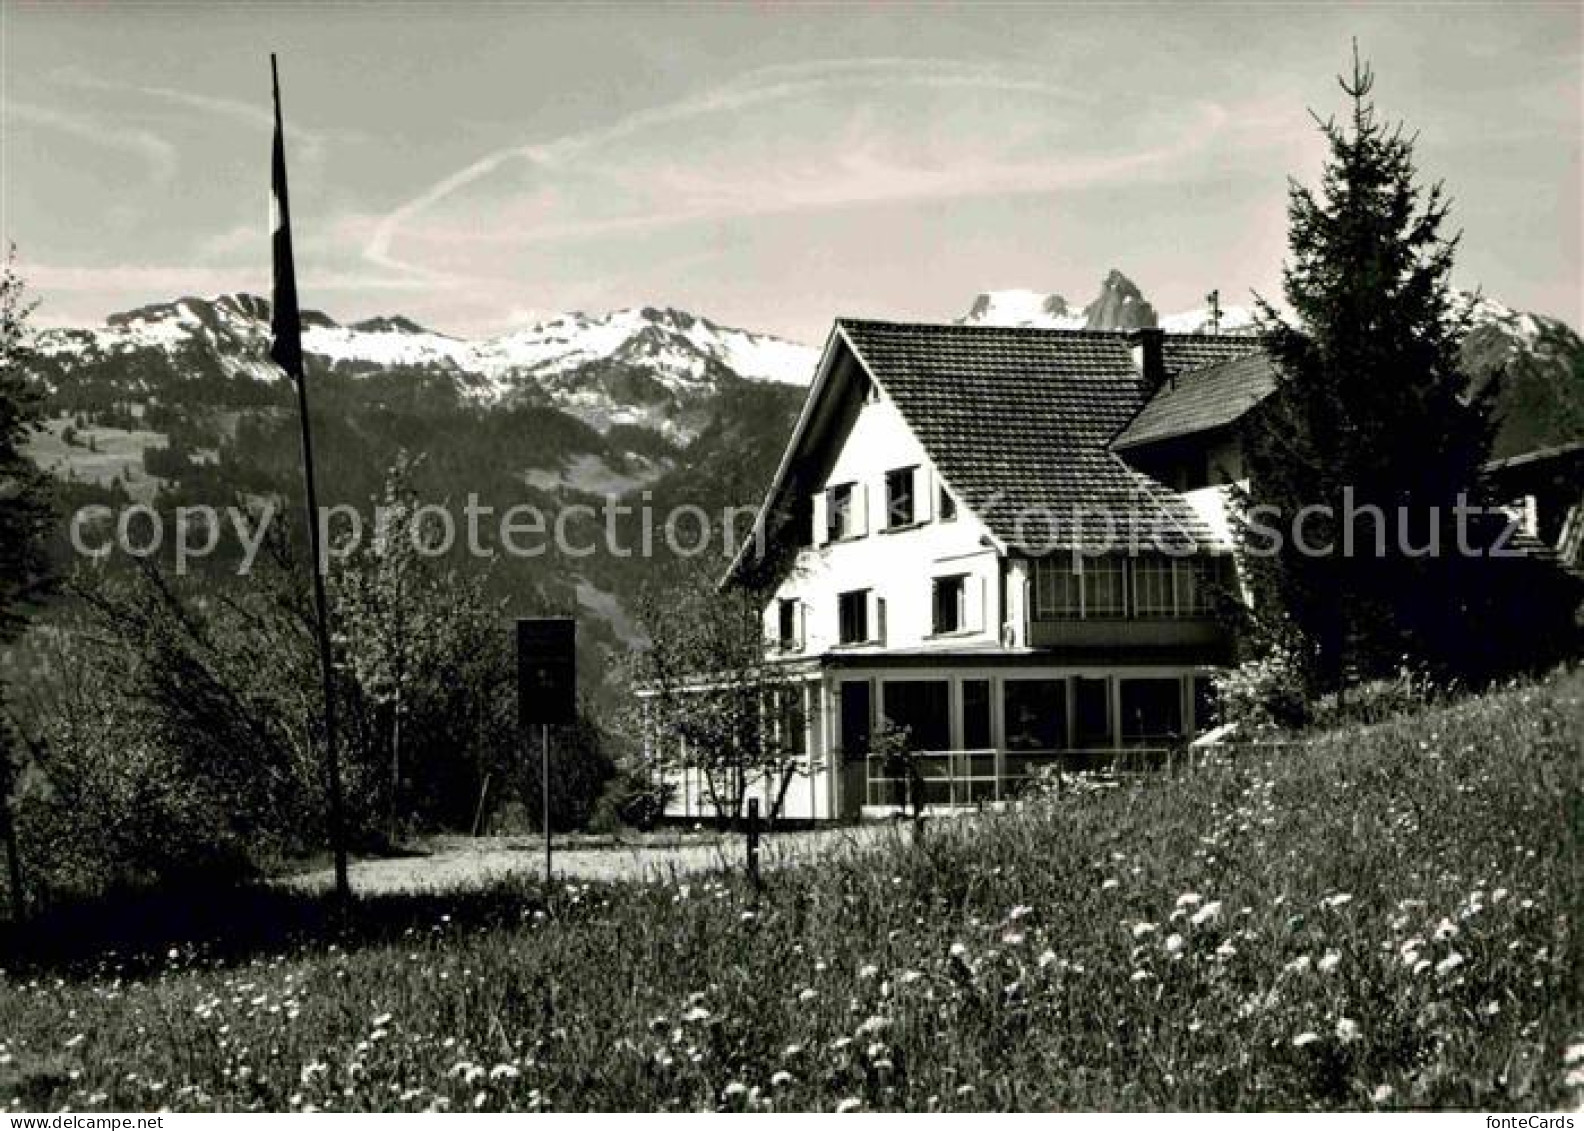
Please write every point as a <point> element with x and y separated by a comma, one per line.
<point>424,650</point>
<point>25,511</point>
<point>893,747</point>
<point>1371,409</point>
<point>714,697</point>
<point>25,518</point>
<point>390,621</point>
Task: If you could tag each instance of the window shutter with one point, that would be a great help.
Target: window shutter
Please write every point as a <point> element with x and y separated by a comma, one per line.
<point>802,625</point>
<point>879,633</point>
<point>924,489</point>
<point>860,509</point>
<point>820,520</point>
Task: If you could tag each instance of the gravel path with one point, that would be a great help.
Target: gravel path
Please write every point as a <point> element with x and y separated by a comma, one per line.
<point>462,863</point>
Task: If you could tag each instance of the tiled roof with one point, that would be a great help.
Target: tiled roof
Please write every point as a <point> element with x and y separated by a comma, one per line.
<point>1210,396</point>
<point>1017,421</point>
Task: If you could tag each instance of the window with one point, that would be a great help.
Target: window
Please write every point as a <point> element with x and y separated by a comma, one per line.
<point>1036,714</point>
<point>899,497</point>
<point>852,610</point>
<point>1104,586</point>
<point>1199,580</point>
<point>919,706</point>
<point>946,506</point>
<point>1058,590</point>
<point>1070,589</point>
<point>1148,585</point>
<point>841,512</point>
<point>1092,712</point>
<point>854,721</point>
<point>976,714</point>
<point>787,623</point>
<point>790,733</point>
<point>1153,586</point>
<point>1151,710</point>
<point>951,596</point>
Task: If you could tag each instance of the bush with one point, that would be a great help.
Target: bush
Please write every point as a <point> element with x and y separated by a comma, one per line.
<point>579,769</point>
<point>1269,691</point>
<point>631,799</point>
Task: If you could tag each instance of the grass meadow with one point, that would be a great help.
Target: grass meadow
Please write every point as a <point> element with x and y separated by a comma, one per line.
<point>1380,919</point>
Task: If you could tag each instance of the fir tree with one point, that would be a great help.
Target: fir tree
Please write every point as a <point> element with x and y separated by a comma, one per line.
<point>1371,405</point>
<point>25,512</point>
<point>25,516</point>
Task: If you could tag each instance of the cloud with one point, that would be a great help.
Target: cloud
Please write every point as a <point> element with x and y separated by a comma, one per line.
<point>155,151</point>
<point>258,116</point>
<point>178,280</point>
<point>768,88</point>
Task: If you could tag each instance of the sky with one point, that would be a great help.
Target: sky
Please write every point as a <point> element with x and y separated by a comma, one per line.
<point>479,167</point>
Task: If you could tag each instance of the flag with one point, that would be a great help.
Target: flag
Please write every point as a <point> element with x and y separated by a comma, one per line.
<point>285,320</point>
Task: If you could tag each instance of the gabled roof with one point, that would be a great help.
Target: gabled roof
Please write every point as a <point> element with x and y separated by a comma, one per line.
<point>1016,421</point>
<point>1201,399</point>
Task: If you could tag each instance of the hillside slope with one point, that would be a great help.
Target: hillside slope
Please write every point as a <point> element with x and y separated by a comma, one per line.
<point>1379,919</point>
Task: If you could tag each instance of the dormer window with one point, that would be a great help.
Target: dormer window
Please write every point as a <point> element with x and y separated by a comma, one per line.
<point>900,510</point>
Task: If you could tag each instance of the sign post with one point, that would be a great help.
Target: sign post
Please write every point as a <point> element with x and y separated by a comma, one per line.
<point>546,694</point>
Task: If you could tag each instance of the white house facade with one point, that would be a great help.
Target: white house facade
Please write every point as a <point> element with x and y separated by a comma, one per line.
<point>1011,543</point>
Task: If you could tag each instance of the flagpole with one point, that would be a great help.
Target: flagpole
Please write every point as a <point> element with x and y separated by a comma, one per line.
<point>289,357</point>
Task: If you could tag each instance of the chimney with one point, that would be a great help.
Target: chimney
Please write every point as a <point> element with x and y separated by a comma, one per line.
<point>1149,356</point>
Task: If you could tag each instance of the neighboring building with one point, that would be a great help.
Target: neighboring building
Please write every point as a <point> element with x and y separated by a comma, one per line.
<point>1010,542</point>
<point>1545,488</point>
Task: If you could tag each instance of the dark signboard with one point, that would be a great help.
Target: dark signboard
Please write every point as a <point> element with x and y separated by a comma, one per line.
<point>547,670</point>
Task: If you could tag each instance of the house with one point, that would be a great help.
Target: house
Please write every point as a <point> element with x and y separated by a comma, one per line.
<point>1545,489</point>
<point>1009,541</point>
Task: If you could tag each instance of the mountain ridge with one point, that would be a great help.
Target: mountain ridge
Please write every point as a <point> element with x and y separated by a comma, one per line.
<point>649,366</point>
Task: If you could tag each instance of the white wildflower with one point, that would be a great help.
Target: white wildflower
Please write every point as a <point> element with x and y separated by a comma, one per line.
<point>1450,963</point>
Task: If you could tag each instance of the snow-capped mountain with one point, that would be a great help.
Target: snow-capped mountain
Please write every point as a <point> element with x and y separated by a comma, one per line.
<point>1023,308</point>
<point>1537,362</point>
<point>1120,305</point>
<point>643,366</point>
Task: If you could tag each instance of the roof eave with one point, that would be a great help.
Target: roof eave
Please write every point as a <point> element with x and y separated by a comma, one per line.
<point>816,390</point>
